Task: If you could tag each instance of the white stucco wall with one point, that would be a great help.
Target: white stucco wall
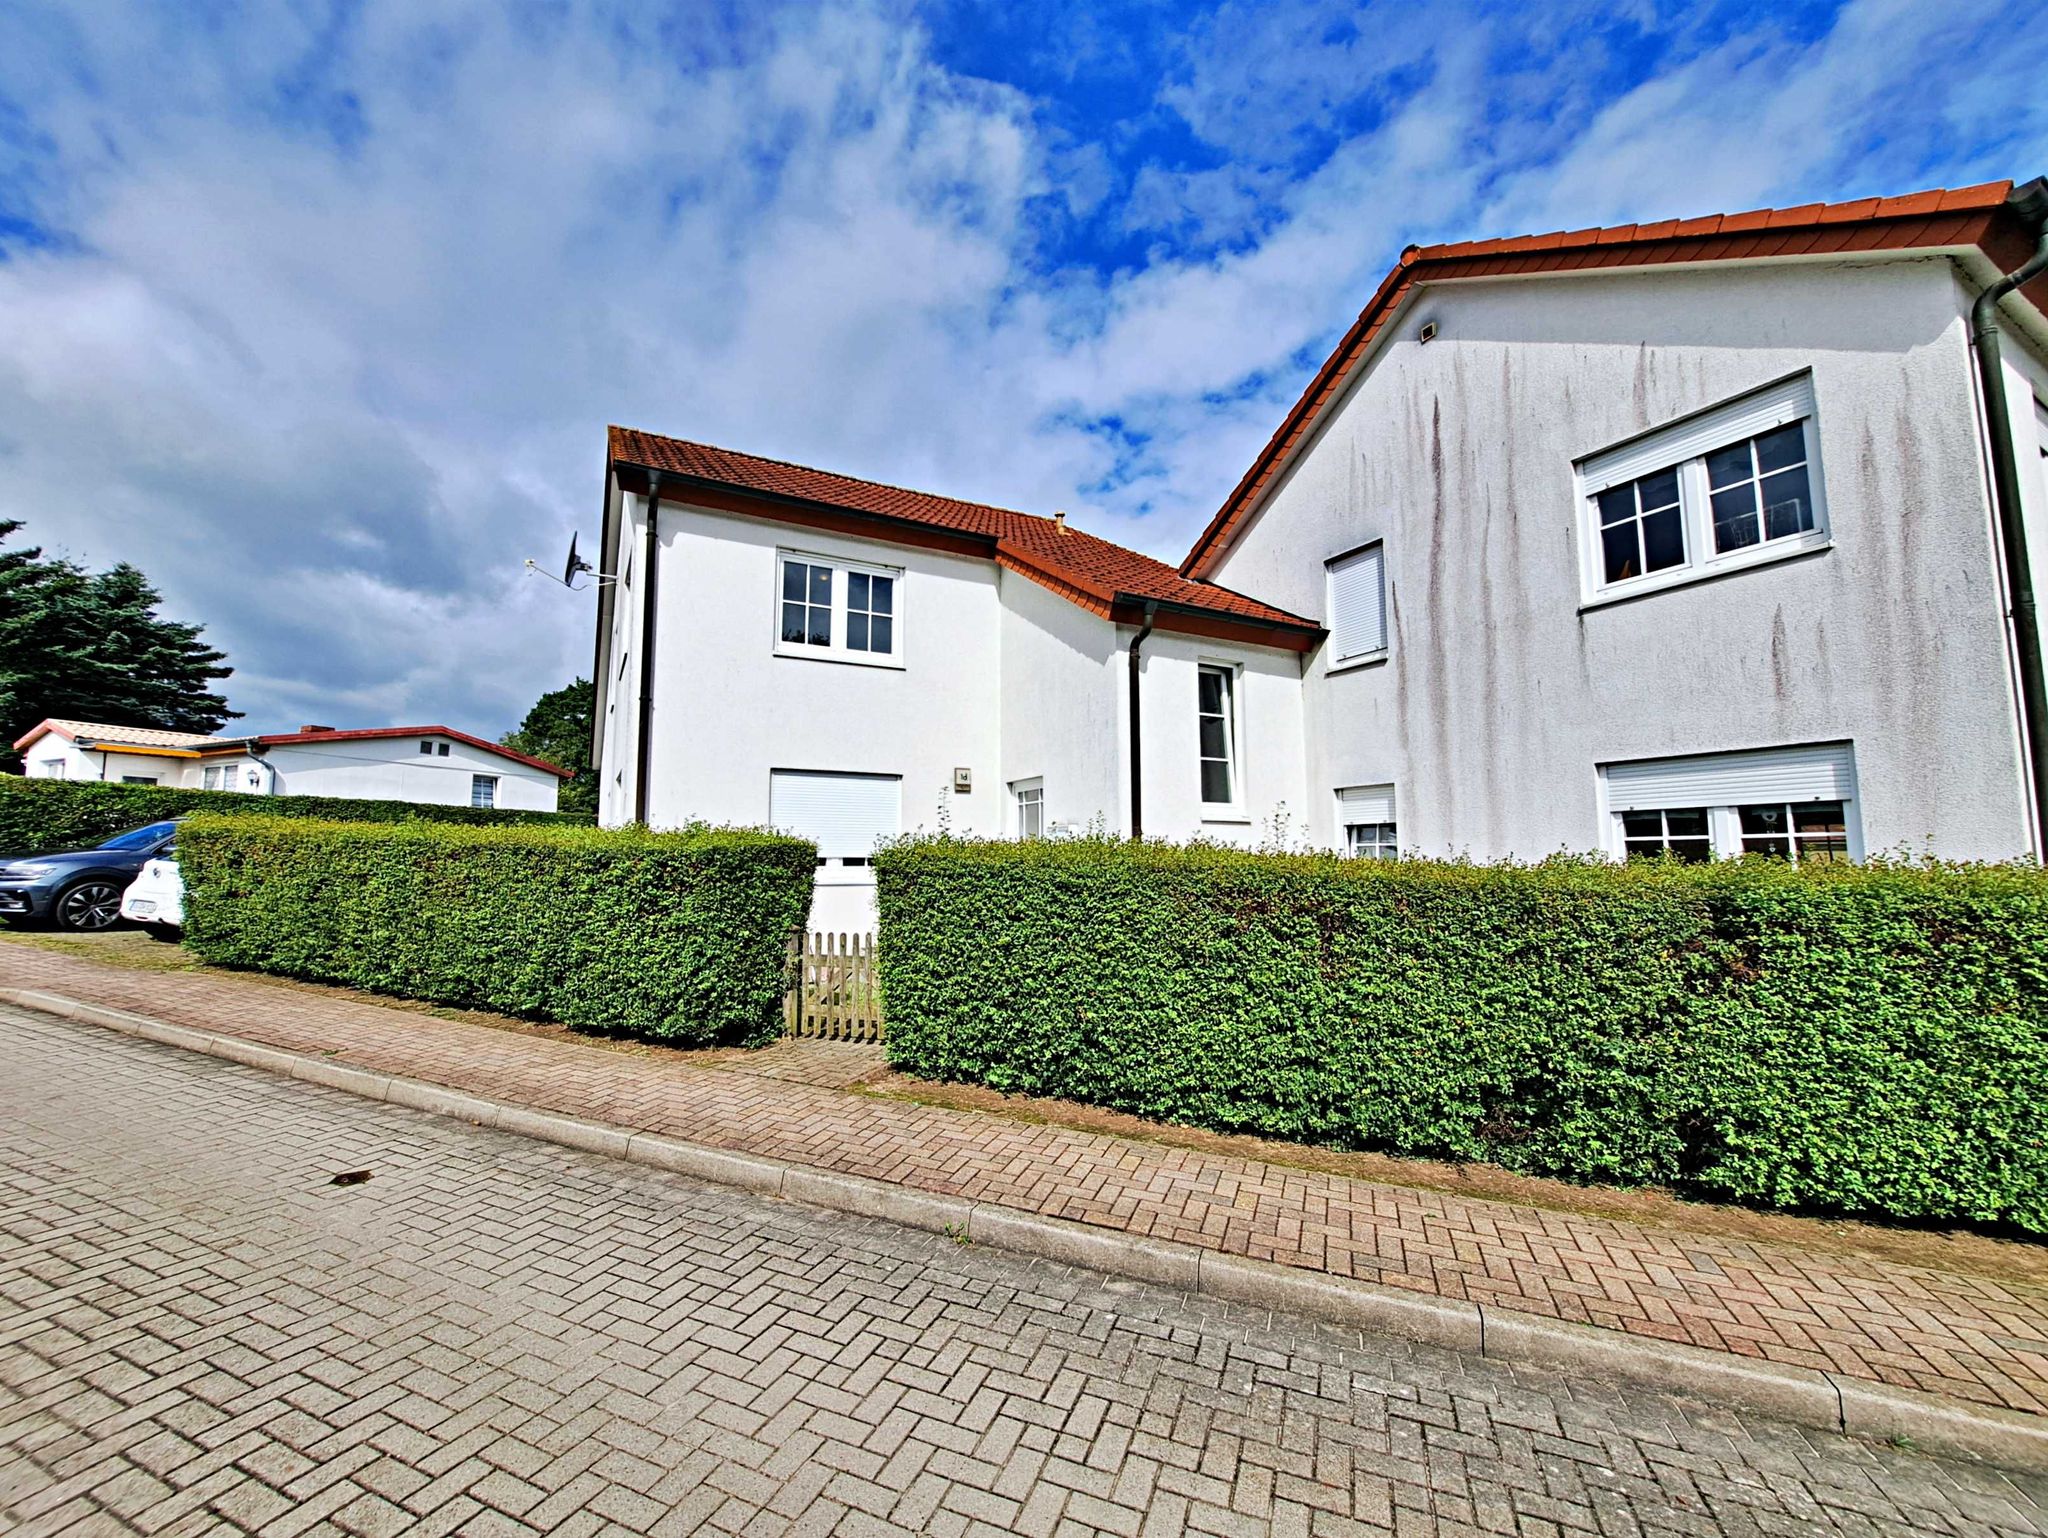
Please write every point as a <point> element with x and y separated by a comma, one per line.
<point>1061,706</point>
<point>111,765</point>
<point>999,676</point>
<point>1500,696</point>
<point>728,710</point>
<point>393,768</point>
<point>1271,763</point>
<point>619,697</point>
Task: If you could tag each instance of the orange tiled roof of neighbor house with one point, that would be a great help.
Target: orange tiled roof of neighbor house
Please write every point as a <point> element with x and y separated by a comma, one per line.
<point>138,736</point>
<point>1955,218</point>
<point>1079,566</point>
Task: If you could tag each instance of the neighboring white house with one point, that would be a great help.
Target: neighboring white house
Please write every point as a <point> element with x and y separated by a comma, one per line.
<point>397,763</point>
<point>1678,536</point>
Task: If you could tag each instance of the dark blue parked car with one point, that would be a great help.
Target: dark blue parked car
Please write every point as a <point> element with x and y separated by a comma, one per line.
<point>80,889</point>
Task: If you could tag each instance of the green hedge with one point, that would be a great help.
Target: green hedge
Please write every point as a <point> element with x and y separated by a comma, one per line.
<point>40,816</point>
<point>679,937</point>
<point>1865,1038</point>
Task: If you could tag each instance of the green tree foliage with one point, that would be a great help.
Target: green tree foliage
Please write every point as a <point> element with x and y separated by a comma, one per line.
<point>1868,1038</point>
<point>680,937</point>
<point>558,730</point>
<point>90,646</point>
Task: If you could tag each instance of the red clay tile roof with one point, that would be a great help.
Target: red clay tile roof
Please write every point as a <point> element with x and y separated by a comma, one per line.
<point>1078,566</point>
<point>362,734</point>
<point>1963,217</point>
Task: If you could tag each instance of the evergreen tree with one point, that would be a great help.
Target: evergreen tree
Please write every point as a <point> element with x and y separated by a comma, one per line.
<point>558,730</point>
<point>90,646</point>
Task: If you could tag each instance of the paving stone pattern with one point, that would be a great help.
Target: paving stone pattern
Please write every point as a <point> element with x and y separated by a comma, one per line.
<point>1970,1337</point>
<point>200,1333</point>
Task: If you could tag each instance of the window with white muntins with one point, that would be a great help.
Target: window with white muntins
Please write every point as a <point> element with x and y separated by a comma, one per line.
<point>1030,802</point>
<point>837,610</point>
<point>1356,600</point>
<point>483,790</point>
<point>1216,728</point>
<point>1728,488</point>
<point>1795,803</point>
<point>1365,816</point>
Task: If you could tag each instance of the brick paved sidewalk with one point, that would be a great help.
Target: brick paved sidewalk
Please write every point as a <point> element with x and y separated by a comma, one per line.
<point>1967,1336</point>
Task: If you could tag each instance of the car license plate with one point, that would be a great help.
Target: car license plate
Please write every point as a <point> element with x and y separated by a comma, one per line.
<point>141,906</point>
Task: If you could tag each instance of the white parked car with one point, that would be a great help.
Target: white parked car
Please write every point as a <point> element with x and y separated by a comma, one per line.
<point>156,898</point>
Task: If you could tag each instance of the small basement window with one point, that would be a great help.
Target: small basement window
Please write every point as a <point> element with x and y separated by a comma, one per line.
<point>1365,816</point>
<point>1796,803</point>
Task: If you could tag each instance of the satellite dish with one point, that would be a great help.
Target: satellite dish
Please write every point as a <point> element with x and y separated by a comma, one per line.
<point>572,568</point>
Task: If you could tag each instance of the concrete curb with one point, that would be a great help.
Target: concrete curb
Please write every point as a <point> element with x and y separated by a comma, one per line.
<point>1800,1395</point>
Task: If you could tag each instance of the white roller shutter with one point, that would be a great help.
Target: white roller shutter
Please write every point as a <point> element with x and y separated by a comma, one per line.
<point>1358,604</point>
<point>1823,772</point>
<point>844,814</point>
<point>1365,803</point>
<point>1664,447</point>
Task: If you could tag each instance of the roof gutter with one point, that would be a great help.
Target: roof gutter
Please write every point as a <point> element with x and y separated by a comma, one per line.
<point>2030,203</point>
<point>1137,727</point>
<point>644,722</point>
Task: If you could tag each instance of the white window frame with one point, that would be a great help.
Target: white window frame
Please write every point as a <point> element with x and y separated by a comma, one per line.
<point>478,782</point>
<point>53,768</point>
<point>1027,797</point>
<point>1724,813</point>
<point>1683,446</point>
<point>1233,741</point>
<point>838,651</point>
<point>1340,661</point>
<point>1364,806</point>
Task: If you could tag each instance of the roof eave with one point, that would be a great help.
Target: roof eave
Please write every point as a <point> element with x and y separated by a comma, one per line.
<point>748,501</point>
<point>1973,225</point>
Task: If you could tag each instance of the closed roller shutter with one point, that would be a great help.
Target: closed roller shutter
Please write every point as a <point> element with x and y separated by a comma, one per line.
<point>1358,607</point>
<point>844,814</point>
<point>1365,803</point>
<point>1823,772</point>
<point>1667,446</point>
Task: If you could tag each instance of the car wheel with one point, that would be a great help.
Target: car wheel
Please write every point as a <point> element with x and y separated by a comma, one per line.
<point>88,905</point>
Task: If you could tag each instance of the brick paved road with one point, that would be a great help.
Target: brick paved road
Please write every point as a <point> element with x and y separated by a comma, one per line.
<point>199,1333</point>
<point>1954,1331</point>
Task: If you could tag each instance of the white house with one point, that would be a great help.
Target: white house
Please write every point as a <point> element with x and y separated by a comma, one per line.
<point>1688,536</point>
<point>433,764</point>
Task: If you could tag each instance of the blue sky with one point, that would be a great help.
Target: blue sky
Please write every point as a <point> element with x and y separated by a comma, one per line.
<point>317,312</point>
